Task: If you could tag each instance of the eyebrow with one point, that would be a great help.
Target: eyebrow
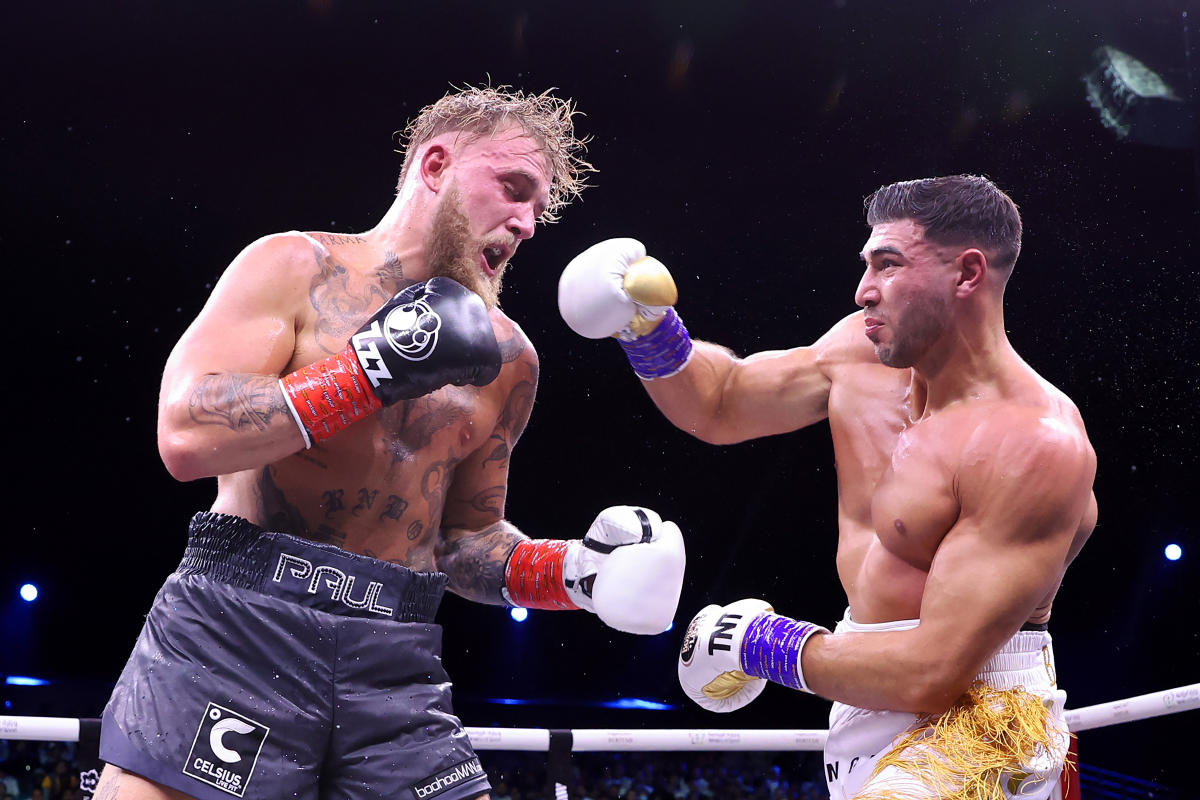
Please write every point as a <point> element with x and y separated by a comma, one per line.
<point>879,251</point>
<point>535,186</point>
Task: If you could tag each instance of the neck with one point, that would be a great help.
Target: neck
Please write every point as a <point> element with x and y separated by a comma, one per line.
<point>399,237</point>
<point>969,362</point>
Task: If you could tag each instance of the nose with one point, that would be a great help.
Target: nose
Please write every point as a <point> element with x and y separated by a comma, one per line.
<point>522,224</point>
<point>867,293</point>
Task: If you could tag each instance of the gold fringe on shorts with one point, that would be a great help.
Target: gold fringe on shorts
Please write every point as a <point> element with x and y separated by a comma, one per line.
<point>982,748</point>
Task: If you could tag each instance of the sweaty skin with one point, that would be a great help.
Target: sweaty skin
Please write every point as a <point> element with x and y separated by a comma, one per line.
<point>964,478</point>
<point>421,483</point>
<point>382,486</point>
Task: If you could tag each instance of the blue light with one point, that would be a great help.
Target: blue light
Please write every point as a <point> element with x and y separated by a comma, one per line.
<point>25,680</point>
<point>519,614</point>
<point>29,593</point>
<point>1173,552</point>
<point>638,703</point>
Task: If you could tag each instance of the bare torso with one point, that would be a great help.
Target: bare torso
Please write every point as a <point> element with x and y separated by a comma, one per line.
<point>898,471</point>
<point>381,486</point>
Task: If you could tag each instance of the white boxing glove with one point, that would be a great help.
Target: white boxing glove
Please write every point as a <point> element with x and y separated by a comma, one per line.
<point>728,652</point>
<point>614,289</point>
<point>710,659</point>
<point>628,570</point>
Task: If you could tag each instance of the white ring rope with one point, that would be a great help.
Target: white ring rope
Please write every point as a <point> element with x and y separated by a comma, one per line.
<point>40,729</point>
<point>1169,701</point>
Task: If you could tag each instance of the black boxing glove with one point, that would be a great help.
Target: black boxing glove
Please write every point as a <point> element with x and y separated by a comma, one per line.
<point>427,336</point>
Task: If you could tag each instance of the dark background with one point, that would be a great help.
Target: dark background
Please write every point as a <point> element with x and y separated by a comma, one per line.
<point>144,144</point>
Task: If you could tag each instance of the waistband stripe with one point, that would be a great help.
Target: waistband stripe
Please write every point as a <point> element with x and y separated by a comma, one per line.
<point>234,551</point>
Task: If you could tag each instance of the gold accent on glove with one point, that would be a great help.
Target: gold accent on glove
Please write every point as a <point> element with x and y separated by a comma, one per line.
<point>649,283</point>
<point>727,684</point>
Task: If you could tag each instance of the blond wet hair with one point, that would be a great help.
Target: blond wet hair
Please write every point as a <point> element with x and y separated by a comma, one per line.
<point>482,111</point>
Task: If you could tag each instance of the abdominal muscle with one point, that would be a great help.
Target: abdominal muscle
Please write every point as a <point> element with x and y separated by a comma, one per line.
<point>880,586</point>
<point>353,492</point>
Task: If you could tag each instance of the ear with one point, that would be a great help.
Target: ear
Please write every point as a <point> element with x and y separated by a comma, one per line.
<point>972,269</point>
<point>435,162</point>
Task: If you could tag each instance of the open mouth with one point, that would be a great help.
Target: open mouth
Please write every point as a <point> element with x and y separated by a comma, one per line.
<point>493,257</point>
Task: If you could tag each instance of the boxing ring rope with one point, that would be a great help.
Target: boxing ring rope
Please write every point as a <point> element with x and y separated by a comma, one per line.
<point>1168,701</point>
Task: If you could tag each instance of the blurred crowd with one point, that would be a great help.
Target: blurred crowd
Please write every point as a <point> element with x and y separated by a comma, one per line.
<point>662,776</point>
<point>51,771</point>
<point>38,771</point>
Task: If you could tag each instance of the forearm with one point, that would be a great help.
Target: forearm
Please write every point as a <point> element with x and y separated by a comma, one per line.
<point>692,399</point>
<point>892,670</point>
<point>628,568</point>
<point>225,423</point>
<point>475,561</point>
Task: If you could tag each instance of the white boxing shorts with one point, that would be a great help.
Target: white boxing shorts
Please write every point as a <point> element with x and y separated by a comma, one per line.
<point>904,756</point>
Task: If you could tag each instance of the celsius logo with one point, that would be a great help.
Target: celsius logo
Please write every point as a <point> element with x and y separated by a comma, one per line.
<point>225,750</point>
<point>218,732</point>
<point>412,328</point>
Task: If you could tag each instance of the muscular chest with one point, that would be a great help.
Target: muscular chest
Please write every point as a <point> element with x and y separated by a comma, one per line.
<point>914,503</point>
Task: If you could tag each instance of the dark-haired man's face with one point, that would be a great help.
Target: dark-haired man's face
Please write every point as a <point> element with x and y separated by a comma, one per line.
<point>905,292</point>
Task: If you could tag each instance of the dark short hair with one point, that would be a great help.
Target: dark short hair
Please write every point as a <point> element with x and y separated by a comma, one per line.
<point>967,210</point>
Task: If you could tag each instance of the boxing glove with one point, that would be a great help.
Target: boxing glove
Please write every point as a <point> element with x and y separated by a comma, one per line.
<point>729,653</point>
<point>427,336</point>
<point>614,289</point>
<point>628,570</point>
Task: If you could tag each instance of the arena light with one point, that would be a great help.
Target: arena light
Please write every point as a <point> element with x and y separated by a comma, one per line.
<point>519,614</point>
<point>1173,552</point>
<point>1135,102</point>
<point>638,703</point>
<point>29,592</point>
<point>25,680</point>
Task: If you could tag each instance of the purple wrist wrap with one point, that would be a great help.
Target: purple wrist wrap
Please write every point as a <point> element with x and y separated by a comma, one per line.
<point>771,649</point>
<point>662,352</point>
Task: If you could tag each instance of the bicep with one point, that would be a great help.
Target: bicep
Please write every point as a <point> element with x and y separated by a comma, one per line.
<point>1009,547</point>
<point>475,540</point>
<point>248,325</point>
<point>477,496</point>
<point>220,405</point>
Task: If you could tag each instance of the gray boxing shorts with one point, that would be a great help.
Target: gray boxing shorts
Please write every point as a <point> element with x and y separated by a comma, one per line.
<point>273,667</point>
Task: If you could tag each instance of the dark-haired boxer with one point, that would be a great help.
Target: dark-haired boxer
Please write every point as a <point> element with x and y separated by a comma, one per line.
<point>358,398</point>
<point>965,490</point>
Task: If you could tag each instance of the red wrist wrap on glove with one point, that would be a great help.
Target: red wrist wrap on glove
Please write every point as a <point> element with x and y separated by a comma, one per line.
<point>329,395</point>
<point>534,575</point>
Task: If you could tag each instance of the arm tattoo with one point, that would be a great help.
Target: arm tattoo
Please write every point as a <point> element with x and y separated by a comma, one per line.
<point>239,402</point>
<point>475,562</point>
<point>490,501</point>
<point>499,452</point>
